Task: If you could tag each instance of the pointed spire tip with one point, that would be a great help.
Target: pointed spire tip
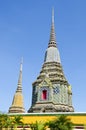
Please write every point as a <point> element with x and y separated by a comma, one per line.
<point>52,14</point>
<point>21,63</point>
<point>52,41</point>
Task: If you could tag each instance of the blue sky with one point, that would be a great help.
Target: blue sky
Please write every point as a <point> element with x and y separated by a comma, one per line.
<point>25,30</point>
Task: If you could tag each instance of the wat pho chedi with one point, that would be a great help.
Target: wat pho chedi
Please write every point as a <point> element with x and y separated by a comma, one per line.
<point>51,92</point>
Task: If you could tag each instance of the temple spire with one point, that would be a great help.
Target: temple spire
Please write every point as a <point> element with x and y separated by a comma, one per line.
<point>51,91</point>
<point>19,86</point>
<point>18,103</point>
<point>52,52</point>
<point>52,41</point>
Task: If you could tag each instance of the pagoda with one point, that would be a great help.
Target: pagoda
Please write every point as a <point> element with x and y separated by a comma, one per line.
<point>51,90</point>
<point>18,103</point>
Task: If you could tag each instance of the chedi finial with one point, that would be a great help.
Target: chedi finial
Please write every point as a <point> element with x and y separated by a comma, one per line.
<point>52,15</point>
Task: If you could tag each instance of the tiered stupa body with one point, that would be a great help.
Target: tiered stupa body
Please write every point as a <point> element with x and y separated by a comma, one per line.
<point>51,90</point>
<point>18,103</point>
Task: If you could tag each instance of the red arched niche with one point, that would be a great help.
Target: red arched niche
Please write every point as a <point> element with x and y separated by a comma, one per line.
<point>44,94</point>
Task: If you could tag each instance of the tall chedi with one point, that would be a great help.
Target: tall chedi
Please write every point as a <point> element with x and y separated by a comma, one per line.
<point>18,103</point>
<point>51,90</point>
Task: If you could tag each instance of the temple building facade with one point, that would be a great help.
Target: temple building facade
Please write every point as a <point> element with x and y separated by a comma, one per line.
<point>51,90</point>
<point>51,93</point>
